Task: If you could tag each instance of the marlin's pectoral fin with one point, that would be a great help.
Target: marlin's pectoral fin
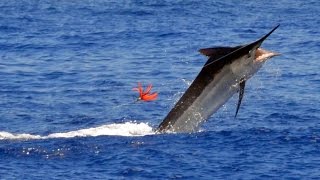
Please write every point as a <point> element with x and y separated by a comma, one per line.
<point>241,92</point>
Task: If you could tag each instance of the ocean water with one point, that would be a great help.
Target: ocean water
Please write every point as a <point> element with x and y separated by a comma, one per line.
<point>67,109</point>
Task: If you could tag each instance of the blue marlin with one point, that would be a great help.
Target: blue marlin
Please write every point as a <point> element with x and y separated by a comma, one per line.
<point>224,74</point>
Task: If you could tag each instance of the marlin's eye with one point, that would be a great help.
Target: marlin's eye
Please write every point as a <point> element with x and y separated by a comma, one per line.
<point>249,54</point>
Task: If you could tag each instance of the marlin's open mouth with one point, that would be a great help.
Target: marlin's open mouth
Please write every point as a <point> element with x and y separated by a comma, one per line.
<point>263,55</point>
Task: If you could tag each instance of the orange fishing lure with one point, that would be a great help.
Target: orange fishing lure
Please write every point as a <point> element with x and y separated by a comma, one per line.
<point>146,95</point>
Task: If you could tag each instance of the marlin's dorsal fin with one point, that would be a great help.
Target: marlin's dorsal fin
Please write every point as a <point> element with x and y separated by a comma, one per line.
<point>241,92</point>
<point>216,53</point>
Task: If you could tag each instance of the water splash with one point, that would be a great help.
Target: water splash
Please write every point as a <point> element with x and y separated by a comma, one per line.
<point>187,82</point>
<point>123,129</point>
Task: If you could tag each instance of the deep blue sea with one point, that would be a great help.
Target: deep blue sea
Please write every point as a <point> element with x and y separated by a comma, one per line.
<point>67,109</point>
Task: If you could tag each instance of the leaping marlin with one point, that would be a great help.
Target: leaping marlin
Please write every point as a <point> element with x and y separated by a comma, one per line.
<point>225,73</point>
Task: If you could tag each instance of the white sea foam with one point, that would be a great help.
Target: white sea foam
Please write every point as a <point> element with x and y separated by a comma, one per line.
<point>123,129</point>
<point>7,135</point>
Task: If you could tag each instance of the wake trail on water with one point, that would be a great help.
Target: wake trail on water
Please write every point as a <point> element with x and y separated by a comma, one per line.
<point>117,129</point>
